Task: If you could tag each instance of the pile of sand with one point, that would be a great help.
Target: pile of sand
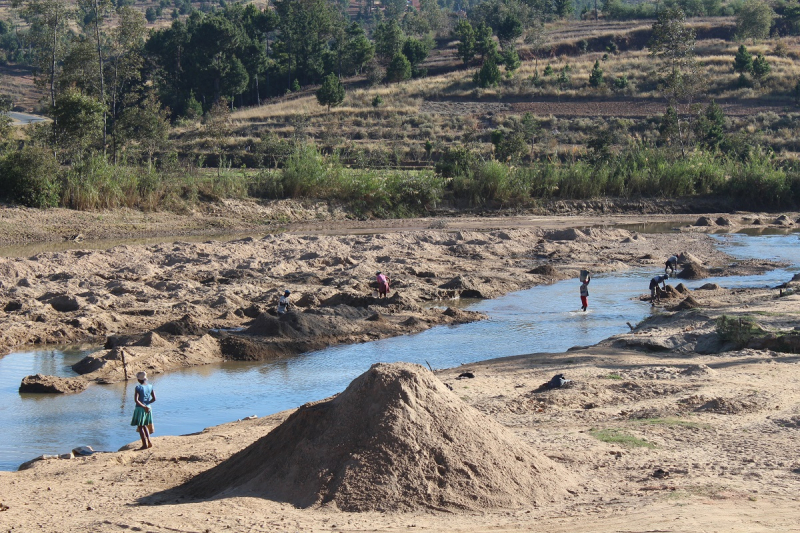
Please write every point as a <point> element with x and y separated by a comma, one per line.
<point>395,440</point>
<point>693,271</point>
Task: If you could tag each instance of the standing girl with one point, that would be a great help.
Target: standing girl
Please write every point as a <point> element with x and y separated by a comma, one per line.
<point>585,292</point>
<point>143,395</point>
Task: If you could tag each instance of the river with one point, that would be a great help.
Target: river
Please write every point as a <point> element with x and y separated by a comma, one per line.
<point>546,318</point>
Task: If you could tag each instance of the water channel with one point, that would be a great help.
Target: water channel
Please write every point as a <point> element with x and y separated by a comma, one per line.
<point>542,319</point>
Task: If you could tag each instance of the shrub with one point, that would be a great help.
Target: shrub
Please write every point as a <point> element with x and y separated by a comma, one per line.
<point>621,82</point>
<point>739,331</point>
<point>307,173</point>
<point>30,177</point>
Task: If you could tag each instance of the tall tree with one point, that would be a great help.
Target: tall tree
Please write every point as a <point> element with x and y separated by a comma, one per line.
<point>389,38</point>
<point>754,20</point>
<point>77,124</point>
<point>305,29</point>
<point>672,43</point>
<point>125,61</point>
<point>146,126</point>
<point>98,10</point>
<point>49,26</point>
<point>466,40</point>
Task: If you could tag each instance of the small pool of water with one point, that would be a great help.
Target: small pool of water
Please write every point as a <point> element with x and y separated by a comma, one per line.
<point>542,319</point>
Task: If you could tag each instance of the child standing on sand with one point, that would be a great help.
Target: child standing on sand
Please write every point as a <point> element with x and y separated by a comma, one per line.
<point>585,292</point>
<point>143,395</point>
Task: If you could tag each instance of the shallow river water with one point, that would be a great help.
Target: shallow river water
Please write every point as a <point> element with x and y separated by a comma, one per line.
<point>542,319</point>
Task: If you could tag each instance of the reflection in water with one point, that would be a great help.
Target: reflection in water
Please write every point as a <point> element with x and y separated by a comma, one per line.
<point>543,319</point>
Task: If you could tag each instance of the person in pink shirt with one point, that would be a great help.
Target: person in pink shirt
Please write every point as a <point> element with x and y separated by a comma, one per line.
<point>383,285</point>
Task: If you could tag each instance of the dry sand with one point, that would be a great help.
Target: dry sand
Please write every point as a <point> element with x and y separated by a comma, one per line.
<point>664,428</point>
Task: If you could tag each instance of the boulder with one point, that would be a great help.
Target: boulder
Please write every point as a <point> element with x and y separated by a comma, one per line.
<point>65,303</point>
<point>41,383</point>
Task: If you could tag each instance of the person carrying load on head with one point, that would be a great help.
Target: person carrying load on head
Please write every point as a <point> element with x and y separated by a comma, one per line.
<point>654,295</point>
<point>283,303</point>
<point>383,285</point>
<point>585,279</point>
<point>671,265</point>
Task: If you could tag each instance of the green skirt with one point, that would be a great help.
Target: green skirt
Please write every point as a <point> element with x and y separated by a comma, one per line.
<point>142,417</point>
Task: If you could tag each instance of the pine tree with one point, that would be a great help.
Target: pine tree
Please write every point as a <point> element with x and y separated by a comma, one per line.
<point>743,61</point>
<point>331,93</point>
<point>760,67</point>
<point>488,75</point>
<point>596,77</point>
<point>399,69</point>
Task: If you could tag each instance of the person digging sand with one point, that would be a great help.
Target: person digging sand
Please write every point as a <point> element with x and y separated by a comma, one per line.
<point>383,285</point>
<point>143,395</point>
<point>654,294</point>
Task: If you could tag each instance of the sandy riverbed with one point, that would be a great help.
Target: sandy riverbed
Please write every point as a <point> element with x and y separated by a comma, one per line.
<point>709,440</point>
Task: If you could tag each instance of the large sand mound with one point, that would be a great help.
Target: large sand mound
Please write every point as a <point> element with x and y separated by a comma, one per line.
<point>395,440</point>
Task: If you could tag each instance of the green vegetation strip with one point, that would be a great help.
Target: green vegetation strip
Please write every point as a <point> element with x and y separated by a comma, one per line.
<point>616,436</point>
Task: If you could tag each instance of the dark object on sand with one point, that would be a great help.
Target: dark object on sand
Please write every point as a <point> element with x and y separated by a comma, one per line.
<point>660,473</point>
<point>557,381</point>
<point>469,375</point>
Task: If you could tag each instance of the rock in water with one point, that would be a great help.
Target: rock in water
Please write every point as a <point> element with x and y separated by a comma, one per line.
<point>395,440</point>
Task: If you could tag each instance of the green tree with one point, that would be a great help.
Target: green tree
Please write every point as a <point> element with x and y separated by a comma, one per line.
<point>710,126</point>
<point>125,62</point>
<point>563,8</point>
<point>466,40</point>
<point>509,28</point>
<point>760,67</point>
<point>668,128</point>
<point>217,122</point>
<point>358,50</point>
<point>596,76</point>
<point>97,11</point>
<point>5,120</point>
<point>331,93</point>
<point>145,126</point>
<point>511,58</point>
<point>77,123</point>
<point>488,75</point>
<point>754,20</point>
<point>389,38</point>
<point>399,69</point>
<point>416,50</point>
<point>306,28</point>
<point>49,22</point>
<point>672,42</point>
<point>743,61</point>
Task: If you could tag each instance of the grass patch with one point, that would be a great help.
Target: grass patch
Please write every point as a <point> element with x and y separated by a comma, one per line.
<point>613,375</point>
<point>738,330</point>
<point>616,436</point>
